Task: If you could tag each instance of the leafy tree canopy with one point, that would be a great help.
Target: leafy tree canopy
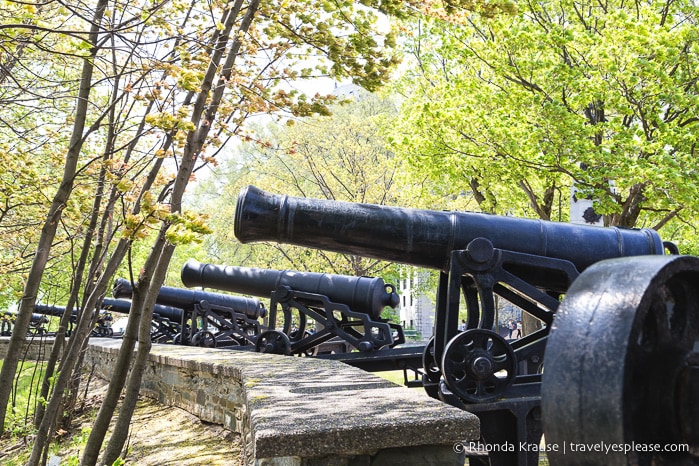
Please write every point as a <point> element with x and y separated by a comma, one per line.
<point>515,109</point>
<point>338,157</point>
<point>151,61</point>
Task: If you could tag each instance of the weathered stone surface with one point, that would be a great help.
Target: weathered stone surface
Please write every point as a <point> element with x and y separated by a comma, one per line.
<point>299,411</point>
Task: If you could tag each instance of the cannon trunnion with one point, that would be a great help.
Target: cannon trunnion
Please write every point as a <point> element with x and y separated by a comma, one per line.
<point>530,264</point>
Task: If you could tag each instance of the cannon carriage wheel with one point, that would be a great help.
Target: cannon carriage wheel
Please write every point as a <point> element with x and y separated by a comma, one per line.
<point>205,339</point>
<point>479,365</point>
<point>622,366</point>
<point>274,342</point>
<point>431,368</point>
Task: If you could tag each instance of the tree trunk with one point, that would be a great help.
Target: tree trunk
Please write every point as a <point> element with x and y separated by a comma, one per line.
<point>22,42</point>
<point>70,360</point>
<point>204,112</point>
<point>121,369</point>
<point>116,384</point>
<point>164,251</point>
<point>74,292</point>
<point>98,259</point>
<point>48,232</point>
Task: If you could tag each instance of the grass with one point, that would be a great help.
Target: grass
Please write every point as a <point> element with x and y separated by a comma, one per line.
<point>24,399</point>
<point>20,413</point>
<point>15,445</point>
<point>392,376</point>
<point>395,376</point>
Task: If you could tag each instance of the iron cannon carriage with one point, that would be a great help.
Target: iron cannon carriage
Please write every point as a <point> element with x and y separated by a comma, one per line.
<point>619,328</point>
<point>207,319</point>
<point>103,319</point>
<point>165,318</point>
<point>316,307</point>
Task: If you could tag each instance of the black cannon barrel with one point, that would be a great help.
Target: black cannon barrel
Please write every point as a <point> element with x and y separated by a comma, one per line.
<point>37,317</point>
<point>58,311</point>
<point>424,237</point>
<point>123,306</point>
<point>187,299</point>
<point>49,310</point>
<point>362,294</point>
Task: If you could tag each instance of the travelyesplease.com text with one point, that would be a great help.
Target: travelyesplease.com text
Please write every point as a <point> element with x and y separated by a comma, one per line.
<point>570,447</point>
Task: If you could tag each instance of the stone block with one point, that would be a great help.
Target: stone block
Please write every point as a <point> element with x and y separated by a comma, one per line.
<point>304,411</point>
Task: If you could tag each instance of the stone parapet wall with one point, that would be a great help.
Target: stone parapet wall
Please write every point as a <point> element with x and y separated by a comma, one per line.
<point>37,348</point>
<point>212,392</point>
<point>295,411</point>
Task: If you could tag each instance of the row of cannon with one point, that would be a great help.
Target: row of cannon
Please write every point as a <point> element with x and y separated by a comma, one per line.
<point>38,325</point>
<point>309,313</point>
<point>306,310</point>
<point>613,362</point>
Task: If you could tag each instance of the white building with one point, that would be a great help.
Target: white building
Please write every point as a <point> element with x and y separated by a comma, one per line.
<point>416,307</point>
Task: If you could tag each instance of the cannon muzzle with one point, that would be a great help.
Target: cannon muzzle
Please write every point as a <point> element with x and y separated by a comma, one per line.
<point>362,294</point>
<point>425,238</point>
<point>187,299</point>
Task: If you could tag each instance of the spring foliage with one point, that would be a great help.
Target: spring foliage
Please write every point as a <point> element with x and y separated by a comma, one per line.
<point>517,108</point>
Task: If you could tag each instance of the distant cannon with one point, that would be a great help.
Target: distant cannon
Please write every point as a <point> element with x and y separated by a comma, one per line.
<point>208,319</point>
<point>166,321</point>
<point>36,324</point>
<point>57,311</point>
<point>185,299</point>
<point>123,306</point>
<point>49,310</point>
<point>362,294</point>
<point>529,263</point>
<point>103,320</point>
<point>340,306</point>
